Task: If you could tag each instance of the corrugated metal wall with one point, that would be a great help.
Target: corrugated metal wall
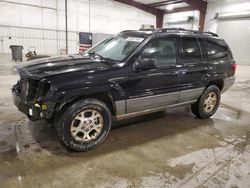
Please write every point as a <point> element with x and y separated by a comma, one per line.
<point>45,41</point>
<point>41,23</point>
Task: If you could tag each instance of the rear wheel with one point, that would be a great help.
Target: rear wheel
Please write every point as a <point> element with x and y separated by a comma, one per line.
<point>208,103</point>
<point>84,125</point>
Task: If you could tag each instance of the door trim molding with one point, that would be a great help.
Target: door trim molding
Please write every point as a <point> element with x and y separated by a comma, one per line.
<point>148,104</point>
<point>139,113</point>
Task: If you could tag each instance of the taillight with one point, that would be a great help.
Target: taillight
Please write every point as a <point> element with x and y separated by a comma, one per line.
<point>234,67</point>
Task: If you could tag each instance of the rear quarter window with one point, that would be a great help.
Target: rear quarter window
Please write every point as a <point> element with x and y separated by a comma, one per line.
<point>218,49</point>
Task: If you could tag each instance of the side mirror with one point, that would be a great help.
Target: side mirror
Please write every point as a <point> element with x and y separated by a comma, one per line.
<point>149,53</point>
<point>144,64</point>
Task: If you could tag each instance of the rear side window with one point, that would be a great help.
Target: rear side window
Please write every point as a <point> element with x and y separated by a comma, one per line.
<point>190,49</point>
<point>218,49</point>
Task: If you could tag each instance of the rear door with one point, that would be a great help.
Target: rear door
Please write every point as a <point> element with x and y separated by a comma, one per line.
<point>194,68</point>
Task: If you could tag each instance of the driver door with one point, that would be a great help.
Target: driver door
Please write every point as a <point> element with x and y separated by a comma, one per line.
<point>158,86</point>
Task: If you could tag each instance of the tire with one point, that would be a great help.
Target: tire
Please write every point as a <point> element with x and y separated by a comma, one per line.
<point>203,109</point>
<point>74,127</point>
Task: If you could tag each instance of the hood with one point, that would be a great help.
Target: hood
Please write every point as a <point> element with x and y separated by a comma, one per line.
<point>60,65</point>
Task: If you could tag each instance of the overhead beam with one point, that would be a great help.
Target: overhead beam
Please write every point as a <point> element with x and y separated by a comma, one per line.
<point>147,8</point>
<point>140,6</point>
<point>181,9</point>
<point>198,4</point>
<point>160,2</point>
<point>163,3</point>
<point>159,19</point>
<point>202,7</point>
<point>202,21</point>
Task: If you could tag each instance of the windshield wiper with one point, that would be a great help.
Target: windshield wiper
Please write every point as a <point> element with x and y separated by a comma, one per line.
<point>95,54</point>
<point>98,55</point>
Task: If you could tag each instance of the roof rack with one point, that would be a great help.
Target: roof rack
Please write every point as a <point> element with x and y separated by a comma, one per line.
<point>210,33</point>
<point>185,30</point>
<point>178,29</point>
<point>148,29</point>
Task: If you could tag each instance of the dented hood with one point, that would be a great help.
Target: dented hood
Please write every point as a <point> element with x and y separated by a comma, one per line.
<point>60,65</point>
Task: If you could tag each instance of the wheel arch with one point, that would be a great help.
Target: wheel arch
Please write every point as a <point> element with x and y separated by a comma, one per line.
<point>105,97</point>
<point>218,82</point>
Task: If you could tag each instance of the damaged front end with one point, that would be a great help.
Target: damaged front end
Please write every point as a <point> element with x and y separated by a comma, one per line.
<point>30,96</point>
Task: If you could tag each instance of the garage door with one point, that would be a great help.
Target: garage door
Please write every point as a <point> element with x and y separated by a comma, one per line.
<point>237,35</point>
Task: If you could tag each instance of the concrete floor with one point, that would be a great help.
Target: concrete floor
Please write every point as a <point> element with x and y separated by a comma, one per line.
<point>166,149</point>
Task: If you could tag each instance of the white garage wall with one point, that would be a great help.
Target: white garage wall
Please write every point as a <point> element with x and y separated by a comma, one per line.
<point>236,32</point>
<point>179,16</point>
<point>41,23</point>
<point>223,6</point>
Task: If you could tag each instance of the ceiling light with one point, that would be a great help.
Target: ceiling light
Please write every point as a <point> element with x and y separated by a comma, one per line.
<point>170,7</point>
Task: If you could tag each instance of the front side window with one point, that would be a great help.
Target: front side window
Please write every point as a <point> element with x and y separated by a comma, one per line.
<point>190,49</point>
<point>117,48</point>
<point>162,50</point>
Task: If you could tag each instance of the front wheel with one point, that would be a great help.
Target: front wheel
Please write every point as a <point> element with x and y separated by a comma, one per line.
<point>84,125</point>
<point>208,103</point>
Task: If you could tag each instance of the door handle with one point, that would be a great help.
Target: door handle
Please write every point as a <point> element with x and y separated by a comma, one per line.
<point>206,69</point>
<point>118,79</point>
<point>156,74</point>
<point>174,73</point>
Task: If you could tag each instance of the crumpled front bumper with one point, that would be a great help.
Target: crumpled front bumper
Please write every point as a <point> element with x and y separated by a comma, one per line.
<point>32,109</point>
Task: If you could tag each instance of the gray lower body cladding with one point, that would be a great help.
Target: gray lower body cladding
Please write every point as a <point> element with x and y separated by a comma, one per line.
<point>143,105</point>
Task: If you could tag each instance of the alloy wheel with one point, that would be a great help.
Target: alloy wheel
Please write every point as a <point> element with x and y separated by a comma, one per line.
<point>210,102</point>
<point>87,125</point>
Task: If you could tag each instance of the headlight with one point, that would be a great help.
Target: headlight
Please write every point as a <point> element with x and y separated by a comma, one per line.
<point>43,89</point>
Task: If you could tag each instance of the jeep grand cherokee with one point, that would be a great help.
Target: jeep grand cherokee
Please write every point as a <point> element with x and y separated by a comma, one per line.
<point>129,74</point>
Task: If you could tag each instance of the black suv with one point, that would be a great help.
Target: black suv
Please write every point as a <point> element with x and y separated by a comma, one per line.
<point>129,74</point>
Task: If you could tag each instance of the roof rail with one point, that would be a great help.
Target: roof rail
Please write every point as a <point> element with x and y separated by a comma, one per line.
<point>124,31</point>
<point>185,30</point>
<point>148,29</point>
<point>170,29</point>
<point>211,33</point>
<point>178,29</point>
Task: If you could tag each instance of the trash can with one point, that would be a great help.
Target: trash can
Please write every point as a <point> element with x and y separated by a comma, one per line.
<point>16,52</point>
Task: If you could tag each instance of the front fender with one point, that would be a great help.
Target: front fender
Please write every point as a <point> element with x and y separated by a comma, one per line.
<point>113,90</point>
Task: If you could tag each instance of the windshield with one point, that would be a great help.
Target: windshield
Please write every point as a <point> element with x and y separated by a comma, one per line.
<point>116,48</point>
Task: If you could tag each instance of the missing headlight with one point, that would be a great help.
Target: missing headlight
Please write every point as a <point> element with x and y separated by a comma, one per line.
<point>43,88</point>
